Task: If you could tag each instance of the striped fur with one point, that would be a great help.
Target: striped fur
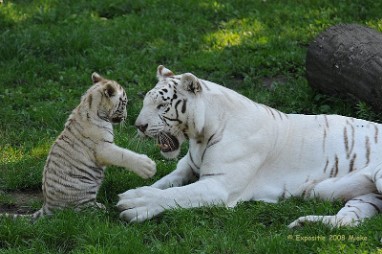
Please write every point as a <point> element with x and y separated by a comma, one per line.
<point>75,166</point>
<point>240,150</point>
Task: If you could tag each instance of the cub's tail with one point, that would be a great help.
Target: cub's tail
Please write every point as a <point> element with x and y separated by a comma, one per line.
<point>38,214</point>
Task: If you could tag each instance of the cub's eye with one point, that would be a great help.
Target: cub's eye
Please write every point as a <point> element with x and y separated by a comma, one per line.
<point>161,106</point>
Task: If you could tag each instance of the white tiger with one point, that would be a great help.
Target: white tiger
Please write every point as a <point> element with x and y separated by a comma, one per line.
<point>75,166</point>
<point>240,150</point>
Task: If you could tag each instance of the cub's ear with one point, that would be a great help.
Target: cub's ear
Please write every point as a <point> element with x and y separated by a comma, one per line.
<point>163,72</point>
<point>190,83</point>
<point>109,90</point>
<point>96,77</point>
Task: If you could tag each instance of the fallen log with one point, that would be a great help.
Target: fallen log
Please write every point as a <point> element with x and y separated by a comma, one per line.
<point>346,60</point>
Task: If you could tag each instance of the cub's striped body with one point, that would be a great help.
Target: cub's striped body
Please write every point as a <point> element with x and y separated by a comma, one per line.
<point>240,150</point>
<point>75,166</point>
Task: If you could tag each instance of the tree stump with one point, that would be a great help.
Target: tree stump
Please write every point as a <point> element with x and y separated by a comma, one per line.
<point>347,60</point>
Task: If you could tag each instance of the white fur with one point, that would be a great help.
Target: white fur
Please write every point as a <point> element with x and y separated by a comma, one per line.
<point>259,153</point>
<point>74,169</point>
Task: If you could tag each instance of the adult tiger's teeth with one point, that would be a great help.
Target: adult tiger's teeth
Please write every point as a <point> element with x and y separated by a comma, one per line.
<point>163,146</point>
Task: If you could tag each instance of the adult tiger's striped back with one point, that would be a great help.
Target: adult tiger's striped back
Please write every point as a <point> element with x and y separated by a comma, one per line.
<point>75,166</point>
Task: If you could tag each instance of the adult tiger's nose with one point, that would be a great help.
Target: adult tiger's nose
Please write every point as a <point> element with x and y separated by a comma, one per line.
<point>142,127</point>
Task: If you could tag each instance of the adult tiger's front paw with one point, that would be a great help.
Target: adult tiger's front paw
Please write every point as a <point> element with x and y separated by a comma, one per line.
<point>145,167</point>
<point>140,204</point>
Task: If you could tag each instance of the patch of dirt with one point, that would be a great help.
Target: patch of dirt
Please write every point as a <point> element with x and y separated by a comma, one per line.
<point>20,202</point>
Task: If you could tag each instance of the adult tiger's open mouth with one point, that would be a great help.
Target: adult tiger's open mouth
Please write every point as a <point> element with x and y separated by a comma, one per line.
<point>167,142</point>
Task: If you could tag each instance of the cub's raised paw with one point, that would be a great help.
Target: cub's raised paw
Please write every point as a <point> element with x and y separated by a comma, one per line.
<point>144,167</point>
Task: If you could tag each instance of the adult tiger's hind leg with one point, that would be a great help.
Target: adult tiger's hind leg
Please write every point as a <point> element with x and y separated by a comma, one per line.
<point>359,182</point>
<point>377,177</point>
<point>353,213</point>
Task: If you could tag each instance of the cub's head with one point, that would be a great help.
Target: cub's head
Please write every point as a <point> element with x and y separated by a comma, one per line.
<point>106,99</point>
<point>168,112</point>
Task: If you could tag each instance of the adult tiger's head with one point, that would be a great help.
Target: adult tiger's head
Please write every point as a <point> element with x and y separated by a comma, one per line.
<point>106,99</point>
<point>172,111</point>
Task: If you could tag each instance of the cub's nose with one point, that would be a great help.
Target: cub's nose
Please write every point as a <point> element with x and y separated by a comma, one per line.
<point>142,127</point>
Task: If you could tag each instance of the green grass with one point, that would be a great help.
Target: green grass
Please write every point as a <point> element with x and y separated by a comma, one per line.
<point>48,50</point>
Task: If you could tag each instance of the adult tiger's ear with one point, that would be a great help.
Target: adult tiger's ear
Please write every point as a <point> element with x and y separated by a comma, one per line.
<point>96,77</point>
<point>163,72</point>
<point>190,83</point>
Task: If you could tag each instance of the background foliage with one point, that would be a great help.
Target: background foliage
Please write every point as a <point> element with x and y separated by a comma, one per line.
<point>48,50</point>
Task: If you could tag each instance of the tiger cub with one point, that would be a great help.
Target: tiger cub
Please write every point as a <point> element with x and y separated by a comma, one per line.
<point>76,162</point>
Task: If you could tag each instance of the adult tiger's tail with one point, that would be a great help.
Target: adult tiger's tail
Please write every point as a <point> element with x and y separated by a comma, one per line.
<point>34,216</point>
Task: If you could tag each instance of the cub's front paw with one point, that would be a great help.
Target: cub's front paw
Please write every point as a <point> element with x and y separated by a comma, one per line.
<point>144,167</point>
